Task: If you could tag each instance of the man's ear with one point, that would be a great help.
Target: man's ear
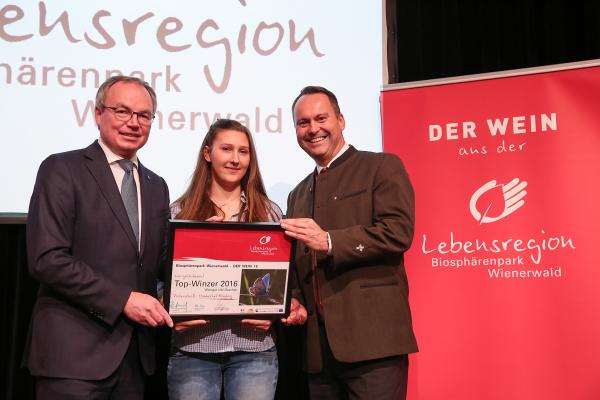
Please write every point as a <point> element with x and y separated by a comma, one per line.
<point>342,121</point>
<point>97,116</point>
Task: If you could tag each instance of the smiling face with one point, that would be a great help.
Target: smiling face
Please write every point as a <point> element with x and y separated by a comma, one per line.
<point>229,156</point>
<point>124,138</point>
<point>318,128</point>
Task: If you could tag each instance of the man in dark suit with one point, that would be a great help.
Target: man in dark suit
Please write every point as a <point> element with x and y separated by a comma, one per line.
<point>95,240</point>
<point>353,220</point>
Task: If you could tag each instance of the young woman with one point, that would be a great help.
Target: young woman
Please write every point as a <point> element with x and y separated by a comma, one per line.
<point>238,357</point>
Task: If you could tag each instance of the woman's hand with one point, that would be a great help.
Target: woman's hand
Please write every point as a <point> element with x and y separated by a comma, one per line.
<point>184,326</point>
<point>216,218</point>
<point>262,325</point>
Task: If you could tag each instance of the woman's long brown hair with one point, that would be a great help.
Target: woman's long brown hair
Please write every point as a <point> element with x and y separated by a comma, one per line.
<point>196,204</point>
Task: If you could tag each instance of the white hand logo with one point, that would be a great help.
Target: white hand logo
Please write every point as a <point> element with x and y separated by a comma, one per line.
<point>513,193</point>
<point>264,239</point>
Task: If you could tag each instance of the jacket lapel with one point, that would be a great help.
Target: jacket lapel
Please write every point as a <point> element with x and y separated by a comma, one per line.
<point>99,168</point>
<point>347,154</point>
<point>145,188</point>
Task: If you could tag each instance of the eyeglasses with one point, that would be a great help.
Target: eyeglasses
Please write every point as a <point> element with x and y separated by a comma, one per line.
<point>123,114</point>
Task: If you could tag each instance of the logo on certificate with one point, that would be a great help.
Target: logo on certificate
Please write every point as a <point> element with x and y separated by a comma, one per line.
<point>263,246</point>
<point>264,240</point>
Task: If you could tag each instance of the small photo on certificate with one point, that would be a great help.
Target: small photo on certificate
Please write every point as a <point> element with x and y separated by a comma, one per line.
<point>263,287</point>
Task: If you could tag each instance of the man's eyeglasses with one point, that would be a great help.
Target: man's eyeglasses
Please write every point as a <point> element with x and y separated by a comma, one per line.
<point>123,114</point>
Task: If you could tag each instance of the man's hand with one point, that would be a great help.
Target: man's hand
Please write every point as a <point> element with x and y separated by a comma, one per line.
<point>297,314</point>
<point>257,324</point>
<point>185,325</point>
<point>307,231</point>
<point>146,310</point>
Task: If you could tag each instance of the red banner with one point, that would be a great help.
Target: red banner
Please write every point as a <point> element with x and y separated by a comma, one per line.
<point>505,281</point>
<point>231,245</point>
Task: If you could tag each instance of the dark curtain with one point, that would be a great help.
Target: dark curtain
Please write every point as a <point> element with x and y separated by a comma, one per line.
<point>17,294</point>
<point>437,39</point>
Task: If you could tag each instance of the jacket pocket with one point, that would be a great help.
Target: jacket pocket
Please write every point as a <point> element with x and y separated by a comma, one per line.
<point>377,284</point>
<point>352,194</point>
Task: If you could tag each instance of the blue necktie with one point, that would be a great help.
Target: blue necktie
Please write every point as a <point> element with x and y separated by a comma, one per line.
<point>129,195</point>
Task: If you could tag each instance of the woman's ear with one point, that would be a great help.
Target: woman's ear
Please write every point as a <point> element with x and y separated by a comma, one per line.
<point>206,153</point>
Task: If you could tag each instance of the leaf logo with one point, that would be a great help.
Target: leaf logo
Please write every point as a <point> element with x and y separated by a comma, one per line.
<point>493,201</point>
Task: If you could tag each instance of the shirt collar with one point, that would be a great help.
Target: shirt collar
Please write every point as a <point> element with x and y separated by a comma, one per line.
<point>112,157</point>
<point>236,216</point>
<point>342,151</point>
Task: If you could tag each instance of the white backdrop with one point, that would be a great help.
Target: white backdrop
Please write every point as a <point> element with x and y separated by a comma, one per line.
<point>242,59</point>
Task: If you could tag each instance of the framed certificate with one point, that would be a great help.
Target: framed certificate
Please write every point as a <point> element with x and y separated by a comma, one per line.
<point>227,270</point>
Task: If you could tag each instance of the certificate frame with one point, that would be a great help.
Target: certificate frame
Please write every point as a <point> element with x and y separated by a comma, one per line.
<point>227,270</point>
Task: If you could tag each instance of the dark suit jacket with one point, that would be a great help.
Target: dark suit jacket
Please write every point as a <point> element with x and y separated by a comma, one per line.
<point>82,250</point>
<point>366,203</point>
